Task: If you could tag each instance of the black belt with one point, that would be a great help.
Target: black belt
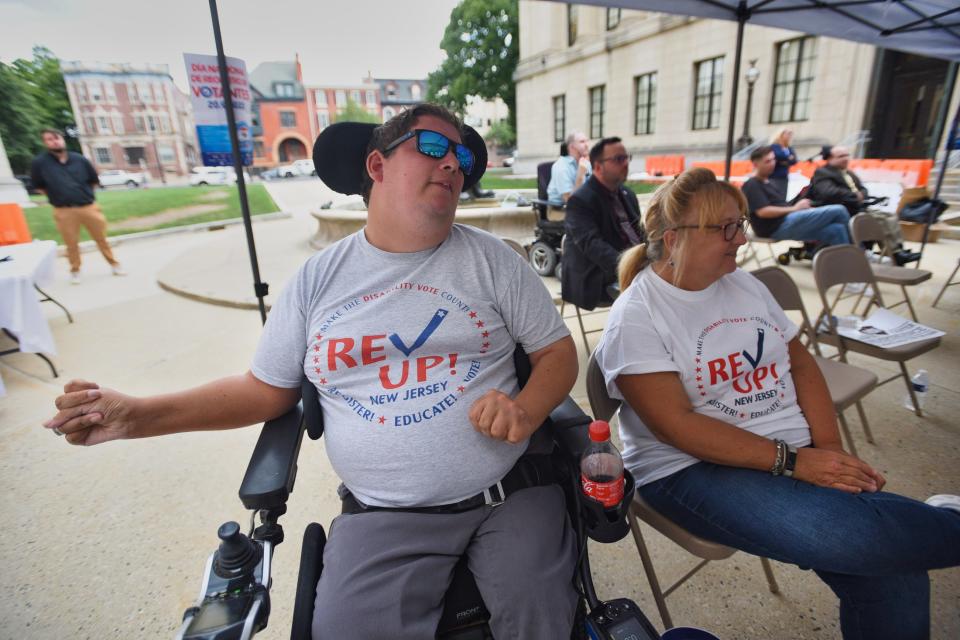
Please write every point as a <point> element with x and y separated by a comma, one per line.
<point>71,206</point>
<point>529,471</point>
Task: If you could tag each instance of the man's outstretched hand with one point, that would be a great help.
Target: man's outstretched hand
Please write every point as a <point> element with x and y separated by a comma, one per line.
<point>90,415</point>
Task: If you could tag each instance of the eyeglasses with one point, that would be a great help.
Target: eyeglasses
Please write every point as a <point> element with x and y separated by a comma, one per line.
<point>729,230</point>
<point>620,159</point>
<point>436,145</point>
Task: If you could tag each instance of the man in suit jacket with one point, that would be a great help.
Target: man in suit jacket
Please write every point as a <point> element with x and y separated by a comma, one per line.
<point>833,183</point>
<point>603,219</point>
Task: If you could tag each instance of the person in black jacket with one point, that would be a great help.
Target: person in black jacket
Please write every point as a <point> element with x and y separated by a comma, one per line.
<point>603,220</point>
<point>833,183</point>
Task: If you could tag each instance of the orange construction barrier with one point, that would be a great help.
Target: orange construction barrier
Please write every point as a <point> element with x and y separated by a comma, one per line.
<point>13,225</point>
<point>664,165</point>
<point>737,167</point>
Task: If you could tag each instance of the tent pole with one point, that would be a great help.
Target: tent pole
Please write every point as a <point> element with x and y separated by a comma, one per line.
<point>951,141</point>
<point>259,288</point>
<point>742,15</point>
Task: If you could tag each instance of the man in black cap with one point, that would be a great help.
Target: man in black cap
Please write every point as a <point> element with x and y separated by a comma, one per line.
<point>68,179</point>
<point>407,329</point>
<point>834,183</point>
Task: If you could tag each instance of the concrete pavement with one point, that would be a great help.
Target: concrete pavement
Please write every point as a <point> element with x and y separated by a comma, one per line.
<point>110,542</point>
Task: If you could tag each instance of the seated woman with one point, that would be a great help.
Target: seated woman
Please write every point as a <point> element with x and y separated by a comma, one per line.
<point>729,429</point>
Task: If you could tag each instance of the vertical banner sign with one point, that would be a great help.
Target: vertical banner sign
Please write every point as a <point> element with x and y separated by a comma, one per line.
<point>206,95</point>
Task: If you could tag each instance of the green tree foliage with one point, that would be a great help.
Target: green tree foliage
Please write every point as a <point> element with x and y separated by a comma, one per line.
<point>18,121</point>
<point>502,134</point>
<point>482,54</point>
<point>34,97</point>
<point>354,112</point>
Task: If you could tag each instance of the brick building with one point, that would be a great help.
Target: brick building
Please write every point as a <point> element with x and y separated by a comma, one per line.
<point>326,102</point>
<point>283,129</point>
<point>398,95</point>
<point>131,117</point>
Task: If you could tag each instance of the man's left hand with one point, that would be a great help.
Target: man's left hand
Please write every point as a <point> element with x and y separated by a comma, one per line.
<point>498,416</point>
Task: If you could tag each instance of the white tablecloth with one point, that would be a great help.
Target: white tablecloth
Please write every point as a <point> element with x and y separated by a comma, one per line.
<point>20,310</point>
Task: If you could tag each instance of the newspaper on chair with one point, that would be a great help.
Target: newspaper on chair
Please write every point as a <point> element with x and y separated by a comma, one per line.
<point>885,329</point>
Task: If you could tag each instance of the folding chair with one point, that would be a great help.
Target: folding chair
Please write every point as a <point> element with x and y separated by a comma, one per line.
<point>843,264</point>
<point>848,384</point>
<point>865,228</point>
<point>949,283</point>
<point>751,252</point>
<point>604,407</point>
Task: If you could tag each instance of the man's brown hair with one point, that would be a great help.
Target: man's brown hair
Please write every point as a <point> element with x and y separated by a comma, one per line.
<point>760,153</point>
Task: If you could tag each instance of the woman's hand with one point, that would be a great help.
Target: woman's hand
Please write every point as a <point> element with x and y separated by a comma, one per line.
<point>837,470</point>
<point>90,415</point>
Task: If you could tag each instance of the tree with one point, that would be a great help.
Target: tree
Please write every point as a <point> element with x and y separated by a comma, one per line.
<point>44,80</point>
<point>18,121</point>
<point>354,112</point>
<point>482,54</point>
<point>34,97</point>
<point>501,134</point>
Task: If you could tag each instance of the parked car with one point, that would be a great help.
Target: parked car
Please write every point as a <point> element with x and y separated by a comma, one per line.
<point>510,159</point>
<point>297,168</point>
<point>270,174</point>
<point>119,177</point>
<point>202,176</point>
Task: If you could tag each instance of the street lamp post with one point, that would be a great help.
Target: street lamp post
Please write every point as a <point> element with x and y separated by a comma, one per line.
<point>751,76</point>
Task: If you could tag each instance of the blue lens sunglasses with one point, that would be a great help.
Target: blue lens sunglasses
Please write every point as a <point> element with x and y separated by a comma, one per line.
<point>436,145</point>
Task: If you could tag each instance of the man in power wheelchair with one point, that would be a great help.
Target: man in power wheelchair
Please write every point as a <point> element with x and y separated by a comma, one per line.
<point>407,331</point>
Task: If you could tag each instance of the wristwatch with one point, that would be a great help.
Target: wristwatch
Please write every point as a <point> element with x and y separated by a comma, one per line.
<point>791,461</point>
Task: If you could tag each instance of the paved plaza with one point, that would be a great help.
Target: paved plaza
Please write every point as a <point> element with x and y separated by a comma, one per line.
<point>110,541</point>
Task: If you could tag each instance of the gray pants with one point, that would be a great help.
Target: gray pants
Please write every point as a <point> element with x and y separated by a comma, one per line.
<point>385,572</point>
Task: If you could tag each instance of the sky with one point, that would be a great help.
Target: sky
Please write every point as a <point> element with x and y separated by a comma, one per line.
<point>339,41</point>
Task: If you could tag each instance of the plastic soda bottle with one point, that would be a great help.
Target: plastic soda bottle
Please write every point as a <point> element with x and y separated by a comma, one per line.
<point>601,467</point>
<point>920,382</point>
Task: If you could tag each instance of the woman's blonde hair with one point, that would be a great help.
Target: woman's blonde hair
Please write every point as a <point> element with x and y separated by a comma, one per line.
<point>695,190</point>
<point>778,136</point>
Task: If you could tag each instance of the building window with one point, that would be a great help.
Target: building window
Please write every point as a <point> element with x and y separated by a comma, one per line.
<point>355,95</point>
<point>341,97</point>
<point>103,156</point>
<point>571,24</point>
<point>646,95</point>
<point>104,124</point>
<point>94,88</point>
<point>559,117</point>
<point>288,119</point>
<point>415,91</point>
<point>320,97</point>
<point>371,97</point>
<point>152,124</point>
<point>323,119</point>
<point>118,124</point>
<point>708,79</point>
<point>258,148</point>
<point>793,80</point>
<point>284,89</point>
<point>391,90</point>
<point>613,18</point>
<point>167,154</point>
<point>598,103</point>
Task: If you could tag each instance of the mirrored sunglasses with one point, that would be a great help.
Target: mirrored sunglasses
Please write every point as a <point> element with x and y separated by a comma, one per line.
<point>436,145</point>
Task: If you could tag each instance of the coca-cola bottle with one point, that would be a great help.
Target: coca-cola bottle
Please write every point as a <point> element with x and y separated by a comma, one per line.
<point>601,467</point>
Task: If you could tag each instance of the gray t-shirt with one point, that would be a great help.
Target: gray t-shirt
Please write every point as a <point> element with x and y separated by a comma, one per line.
<point>400,345</point>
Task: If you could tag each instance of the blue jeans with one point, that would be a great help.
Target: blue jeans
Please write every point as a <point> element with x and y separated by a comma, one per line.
<point>827,225</point>
<point>873,550</point>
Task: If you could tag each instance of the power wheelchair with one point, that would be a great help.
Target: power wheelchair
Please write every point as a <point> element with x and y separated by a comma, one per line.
<point>234,600</point>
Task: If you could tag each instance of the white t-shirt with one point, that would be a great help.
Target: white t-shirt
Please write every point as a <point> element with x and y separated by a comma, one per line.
<point>728,343</point>
<point>400,345</point>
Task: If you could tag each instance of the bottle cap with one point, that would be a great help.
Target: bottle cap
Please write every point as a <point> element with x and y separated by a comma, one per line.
<point>599,431</point>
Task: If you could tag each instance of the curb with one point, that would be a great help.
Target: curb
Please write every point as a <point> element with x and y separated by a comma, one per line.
<point>89,245</point>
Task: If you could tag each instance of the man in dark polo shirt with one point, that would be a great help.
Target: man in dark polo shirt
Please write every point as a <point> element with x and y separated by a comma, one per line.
<point>772,217</point>
<point>603,220</point>
<point>68,179</point>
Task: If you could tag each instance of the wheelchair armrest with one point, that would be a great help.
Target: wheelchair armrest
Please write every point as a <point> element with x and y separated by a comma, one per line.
<point>570,428</point>
<point>273,466</point>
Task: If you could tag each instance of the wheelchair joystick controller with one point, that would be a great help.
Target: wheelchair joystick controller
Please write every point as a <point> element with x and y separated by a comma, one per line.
<point>234,600</point>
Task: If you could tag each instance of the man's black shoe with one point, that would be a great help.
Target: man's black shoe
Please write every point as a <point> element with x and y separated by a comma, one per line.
<point>903,257</point>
